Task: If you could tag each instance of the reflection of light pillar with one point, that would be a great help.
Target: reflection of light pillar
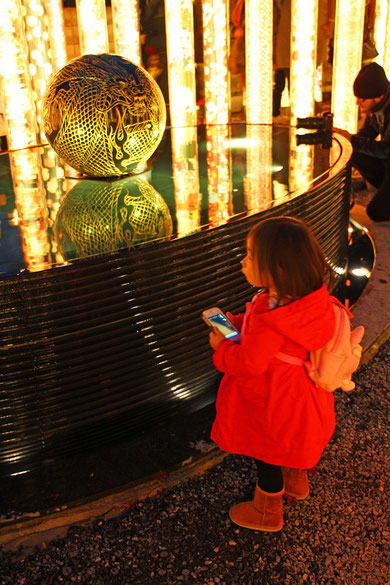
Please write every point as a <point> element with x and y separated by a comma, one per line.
<point>301,164</point>
<point>215,51</point>
<point>31,206</point>
<point>125,18</point>
<point>185,167</point>
<point>57,33</point>
<point>91,15</point>
<point>347,59</point>
<point>18,102</point>
<point>258,181</point>
<point>181,62</point>
<point>218,174</point>
<point>303,57</point>
<point>258,40</point>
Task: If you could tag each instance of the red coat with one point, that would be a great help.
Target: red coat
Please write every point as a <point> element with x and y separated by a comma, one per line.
<point>266,408</point>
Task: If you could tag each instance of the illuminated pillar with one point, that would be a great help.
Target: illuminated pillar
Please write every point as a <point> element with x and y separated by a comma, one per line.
<point>91,15</point>
<point>258,56</point>
<point>380,29</point>
<point>125,18</point>
<point>57,33</point>
<point>258,181</point>
<point>181,62</point>
<point>185,167</point>
<point>38,54</point>
<point>304,16</point>
<point>19,110</point>
<point>347,59</point>
<point>215,54</point>
<point>386,52</point>
<point>218,174</point>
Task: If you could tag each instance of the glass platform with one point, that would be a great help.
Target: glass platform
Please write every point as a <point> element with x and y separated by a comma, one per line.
<point>103,281</point>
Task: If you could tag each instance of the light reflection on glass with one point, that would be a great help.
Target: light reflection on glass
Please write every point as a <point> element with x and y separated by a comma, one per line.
<point>258,182</point>
<point>218,174</point>
<point>31,207</point>
<point>301,164</point>
<point>185,167</point>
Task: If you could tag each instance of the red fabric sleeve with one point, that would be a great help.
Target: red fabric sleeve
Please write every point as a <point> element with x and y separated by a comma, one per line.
<point>238,321</point>
<point>252,356</point>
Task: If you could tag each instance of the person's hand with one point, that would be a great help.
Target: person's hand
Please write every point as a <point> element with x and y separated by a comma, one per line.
<point>215,338</point>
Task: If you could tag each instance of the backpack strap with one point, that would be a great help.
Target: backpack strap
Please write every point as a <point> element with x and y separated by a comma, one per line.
<point>296,361</point>
<point>290,359</point>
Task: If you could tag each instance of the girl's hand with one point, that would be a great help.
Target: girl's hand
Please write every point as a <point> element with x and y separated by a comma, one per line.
<point>215,338</point>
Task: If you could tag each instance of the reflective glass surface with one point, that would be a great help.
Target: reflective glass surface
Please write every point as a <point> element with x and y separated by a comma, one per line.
<point>199,178</point>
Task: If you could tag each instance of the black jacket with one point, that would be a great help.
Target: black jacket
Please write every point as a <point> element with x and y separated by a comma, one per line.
<point>376,124</point>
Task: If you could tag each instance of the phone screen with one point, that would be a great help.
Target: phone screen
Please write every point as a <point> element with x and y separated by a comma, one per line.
<point>223,325</point>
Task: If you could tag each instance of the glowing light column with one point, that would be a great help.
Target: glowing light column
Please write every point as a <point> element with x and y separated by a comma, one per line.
<point>347,59</point>
<point>381,10</point>
<point>18,101</point>
<point>181,62</point>
<point>39,54</point>
<point>182,99</point>
<point>125,17</point>
<point>217,97</point>
<point>258,56</point>
<point>386,52</point>
<point>91,15</point>
<point>215,51</point>
<point>57,33</point>
<point>303,57</point>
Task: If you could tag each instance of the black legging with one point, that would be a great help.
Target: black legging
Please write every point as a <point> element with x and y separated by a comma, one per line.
<point>270,478</point>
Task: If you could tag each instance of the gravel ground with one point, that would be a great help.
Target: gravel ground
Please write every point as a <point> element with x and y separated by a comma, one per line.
<point>339,535</point>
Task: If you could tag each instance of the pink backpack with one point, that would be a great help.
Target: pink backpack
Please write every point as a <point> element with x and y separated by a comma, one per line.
<point>331,367</point>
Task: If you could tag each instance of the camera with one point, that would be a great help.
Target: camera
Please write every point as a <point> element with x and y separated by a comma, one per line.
<point>323,122</point>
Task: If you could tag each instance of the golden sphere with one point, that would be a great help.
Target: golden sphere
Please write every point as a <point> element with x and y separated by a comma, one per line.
<point>99,216</point>
<point>103,115</point>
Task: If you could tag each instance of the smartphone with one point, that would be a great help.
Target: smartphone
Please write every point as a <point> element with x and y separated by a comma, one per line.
<point>216,318</point>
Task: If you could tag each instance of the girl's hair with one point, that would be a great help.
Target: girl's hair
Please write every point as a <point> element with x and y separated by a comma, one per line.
<point>285,250</point>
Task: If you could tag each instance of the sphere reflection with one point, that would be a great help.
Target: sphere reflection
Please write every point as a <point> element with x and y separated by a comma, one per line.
<point>97,216</point>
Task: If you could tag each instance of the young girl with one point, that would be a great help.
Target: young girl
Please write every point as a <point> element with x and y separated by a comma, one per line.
<point>266,408</point>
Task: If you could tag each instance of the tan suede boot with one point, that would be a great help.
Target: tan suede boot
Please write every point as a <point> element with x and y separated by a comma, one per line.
<point>264,512</point>
<point>296,483</point>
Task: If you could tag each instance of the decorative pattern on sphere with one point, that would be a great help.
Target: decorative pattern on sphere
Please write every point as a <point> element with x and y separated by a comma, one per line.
<point>97,216</point>
<point>103,115</point>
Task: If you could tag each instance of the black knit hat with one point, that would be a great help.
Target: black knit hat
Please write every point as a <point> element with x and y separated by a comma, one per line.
<point>370,82</point>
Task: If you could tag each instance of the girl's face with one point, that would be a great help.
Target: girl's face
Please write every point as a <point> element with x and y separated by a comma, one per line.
<point>249,267</point>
